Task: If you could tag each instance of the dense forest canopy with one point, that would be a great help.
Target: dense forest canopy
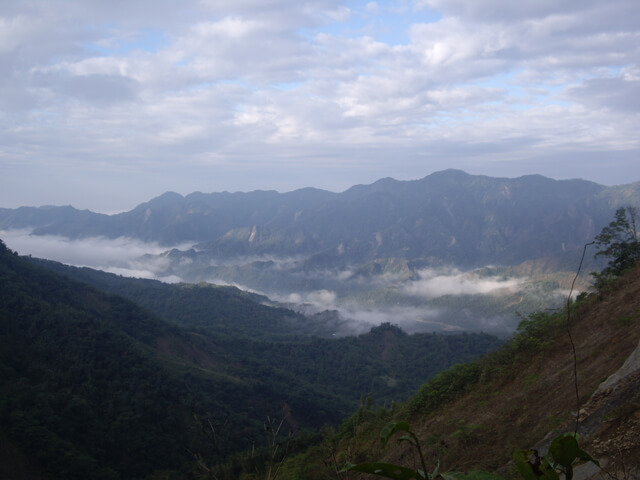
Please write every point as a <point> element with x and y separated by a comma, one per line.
<point>95,386</point>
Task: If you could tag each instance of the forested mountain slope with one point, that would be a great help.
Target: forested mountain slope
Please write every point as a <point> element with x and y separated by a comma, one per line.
<point>222,309</point>
<point>94,386</point>
<point>386,363</point>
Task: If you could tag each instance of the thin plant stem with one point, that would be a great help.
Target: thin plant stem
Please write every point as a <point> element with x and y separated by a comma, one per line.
<point>573,346</point>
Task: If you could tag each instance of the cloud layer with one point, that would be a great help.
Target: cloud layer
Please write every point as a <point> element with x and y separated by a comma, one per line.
<point>437,283</point>
<point>140,97</point>
<point>120,255</point>
<point>359,302</point>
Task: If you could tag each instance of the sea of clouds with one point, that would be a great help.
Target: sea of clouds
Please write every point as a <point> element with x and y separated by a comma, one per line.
<point>135,258</point>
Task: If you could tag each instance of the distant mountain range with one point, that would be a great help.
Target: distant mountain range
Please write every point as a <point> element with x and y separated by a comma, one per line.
<point>395,249</point>
<point>100,375</point>
<point>447,217</point>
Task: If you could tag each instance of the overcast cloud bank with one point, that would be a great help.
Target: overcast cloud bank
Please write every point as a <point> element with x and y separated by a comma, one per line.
<point>141,97</point>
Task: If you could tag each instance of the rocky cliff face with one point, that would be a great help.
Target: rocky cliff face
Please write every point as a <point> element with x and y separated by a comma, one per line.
<point>610,423</point>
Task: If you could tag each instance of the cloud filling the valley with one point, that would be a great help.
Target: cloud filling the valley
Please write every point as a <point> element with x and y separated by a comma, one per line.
<point>121,256</point>
<point>433,283</point>
<point>360,302</point>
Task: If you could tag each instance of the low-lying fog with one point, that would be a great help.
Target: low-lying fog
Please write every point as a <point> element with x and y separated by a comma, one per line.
<point>429,299</point>
<point>118,255</point>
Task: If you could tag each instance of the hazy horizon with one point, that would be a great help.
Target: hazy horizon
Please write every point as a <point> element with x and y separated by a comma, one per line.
<point>105,209</point>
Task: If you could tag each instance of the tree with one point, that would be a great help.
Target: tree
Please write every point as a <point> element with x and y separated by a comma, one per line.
<point>618,242</point>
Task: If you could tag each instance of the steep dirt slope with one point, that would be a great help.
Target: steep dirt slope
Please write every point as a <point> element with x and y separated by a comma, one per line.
<point>505,414</point>
<point>523,400</point>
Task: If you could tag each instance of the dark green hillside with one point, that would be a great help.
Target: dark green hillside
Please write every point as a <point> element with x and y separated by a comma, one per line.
<point>82,394</point>
<point>220,309</point>
<point>386,362</point>
<point>94,386</point>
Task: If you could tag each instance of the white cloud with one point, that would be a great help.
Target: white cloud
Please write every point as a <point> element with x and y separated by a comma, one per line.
<point>372,7</point>
<point>411,320</point>
<point>281,94</point>
<point>320,299</point>
<point>121,255</point>
<point>505,10</point>
<point>14,31</point>
<point>437,283</point>
<point>361,301</point>
<point>357,319</point>
<point>340,14</point>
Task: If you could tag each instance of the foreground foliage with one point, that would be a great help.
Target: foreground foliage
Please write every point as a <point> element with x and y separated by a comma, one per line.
<point>564,451</point>
<point>620,244</point>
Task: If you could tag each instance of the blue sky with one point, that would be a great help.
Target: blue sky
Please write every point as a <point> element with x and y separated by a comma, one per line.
<point>104,105</point>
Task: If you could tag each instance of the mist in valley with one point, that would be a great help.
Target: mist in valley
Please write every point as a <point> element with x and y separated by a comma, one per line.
<point>349,300</point>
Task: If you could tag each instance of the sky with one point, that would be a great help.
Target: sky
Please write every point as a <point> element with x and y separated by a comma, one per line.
<point>106,104</point>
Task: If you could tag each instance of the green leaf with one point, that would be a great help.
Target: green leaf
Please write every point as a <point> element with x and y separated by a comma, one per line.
<point>387,470</point>
<point>392,428</point>
<point>407,438</point>
<point>436,469</point>
<point>529,471</point>
<point>582,455</point>
<point>521,459</point>
<point>548,472</point>
<point>564,449</point>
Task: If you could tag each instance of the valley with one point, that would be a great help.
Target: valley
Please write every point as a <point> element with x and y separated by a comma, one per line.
<point>94,385</point>
<point>319,240</point>
<point>124,336</point>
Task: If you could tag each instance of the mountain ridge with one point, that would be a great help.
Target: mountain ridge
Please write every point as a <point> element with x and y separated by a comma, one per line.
<point>258,207</point>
